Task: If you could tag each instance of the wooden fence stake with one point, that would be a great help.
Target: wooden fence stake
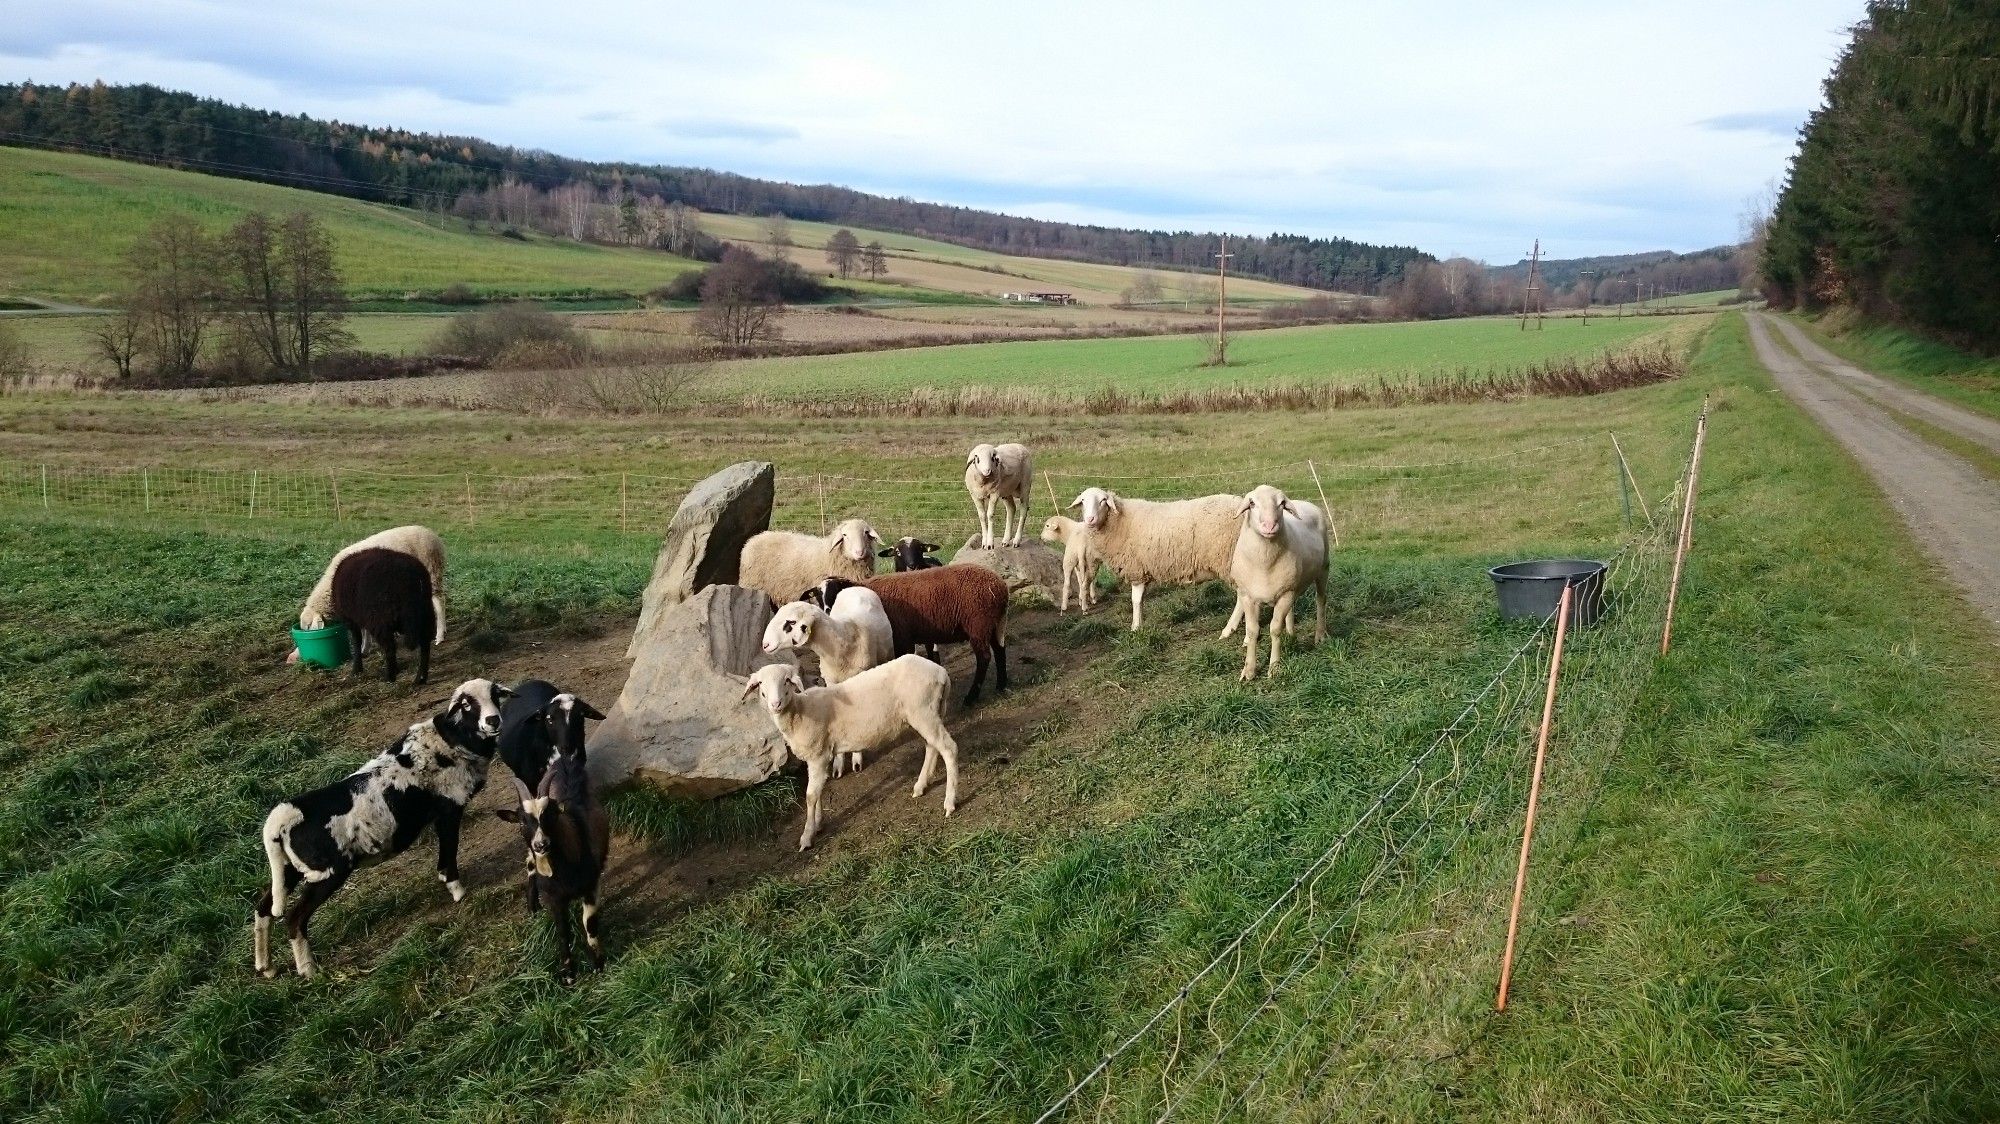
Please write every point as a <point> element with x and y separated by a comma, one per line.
<point>146,483</point>
<point>1053,498</point>
<point>45,487</point>
<point>333,478</point>
<point>822,504</point>
<point>1687,528</point>
<point>624,478</point>
<point>1534,795</point>
<point>253,493</point>
<point>471,512</point>
<point>1332,524</point>
<point>1631,481</point>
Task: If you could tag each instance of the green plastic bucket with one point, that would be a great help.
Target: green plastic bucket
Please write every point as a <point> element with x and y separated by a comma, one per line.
<point>322,647</point>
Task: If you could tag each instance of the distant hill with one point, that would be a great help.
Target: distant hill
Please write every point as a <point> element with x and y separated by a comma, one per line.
<point>67,220</point>
<point>1719,267</point>
<point>435,172</point>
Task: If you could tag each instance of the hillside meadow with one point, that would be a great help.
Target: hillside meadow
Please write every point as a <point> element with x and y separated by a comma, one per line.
<point>1762,880</point>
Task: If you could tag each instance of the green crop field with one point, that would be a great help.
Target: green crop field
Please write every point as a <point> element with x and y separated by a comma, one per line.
<point>1161,363</point>
<point>1762,887</point>
<point>65,220</point>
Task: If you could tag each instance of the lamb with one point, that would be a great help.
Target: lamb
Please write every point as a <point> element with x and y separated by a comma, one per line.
<point>911,553</point>
<point>873,710</point>
<point>1280,550</point>
<point>568,835</point>
<point>783,562</point>
<point>1004,473</point>
<point>1079,561</point>
<point>527,741</point>
<point>1145,542</point>
<point>383,594</point>
<point>849,638</point>
<point>424,779</point>
<point>950,604</point>
<point>417,541</point>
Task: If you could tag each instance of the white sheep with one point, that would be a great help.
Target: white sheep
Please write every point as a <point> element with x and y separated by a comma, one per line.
<point>1000,473</point>
<point>849,639</point>
<point>1144,542</point>
<point>415,540</point>
<point>873,710</point>
<point>1280,550</point>
<point>785,563</point>
<point>1079,561</point>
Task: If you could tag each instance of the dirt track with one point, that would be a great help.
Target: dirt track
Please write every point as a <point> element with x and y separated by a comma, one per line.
<point>1952,508</point>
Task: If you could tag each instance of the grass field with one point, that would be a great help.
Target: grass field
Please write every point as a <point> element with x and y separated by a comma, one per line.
<point>65,220</point>
<point>1776,905</point>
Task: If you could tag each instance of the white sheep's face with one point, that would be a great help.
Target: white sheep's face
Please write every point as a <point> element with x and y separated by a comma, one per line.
<point>1097,505</point>
<point>1266,507</point>
<point>985,460</point>
<point>476,706</point>
<point>791,628</point>
<point>858,539</point>
<point>1052,529</point>
<point>776,684</point>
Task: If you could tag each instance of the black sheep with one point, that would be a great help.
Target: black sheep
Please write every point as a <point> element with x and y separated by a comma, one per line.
<point>911,553</point>
<point>383,594</point>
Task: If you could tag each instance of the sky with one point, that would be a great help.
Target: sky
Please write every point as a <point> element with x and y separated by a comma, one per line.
<point>1457,126</point>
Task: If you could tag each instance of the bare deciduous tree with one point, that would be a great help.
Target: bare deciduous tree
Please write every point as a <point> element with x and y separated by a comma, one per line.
<point>737,305</point>
<point>116,340</point>
<point>875,260</point>
<point>778,233</point>
<point>1144,289</point>
<point>843,252</point>
<point>175,293</point>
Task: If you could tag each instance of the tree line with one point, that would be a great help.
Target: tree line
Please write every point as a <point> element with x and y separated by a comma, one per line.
<point>437,172</point>
<point>263,296</point>
<point>1892,204</point>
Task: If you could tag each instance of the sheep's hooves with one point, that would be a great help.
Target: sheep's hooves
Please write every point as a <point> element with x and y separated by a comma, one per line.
<point>268,973</point>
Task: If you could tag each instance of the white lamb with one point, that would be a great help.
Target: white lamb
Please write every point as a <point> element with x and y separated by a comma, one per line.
<point>1000,473</point>
<point>1079,562</point>
<point>1144,542</point>
<point>873,710</point>
<point>415,540</point>
<point>849,639</point>
<point>1280,551</point>
<point>785,563</point>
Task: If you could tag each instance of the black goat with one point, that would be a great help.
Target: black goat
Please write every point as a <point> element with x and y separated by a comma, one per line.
<point>426,777</point>
<point>527,744</point>
<point>383,594</point>
<point>911,553</point>
<point>568,835</point>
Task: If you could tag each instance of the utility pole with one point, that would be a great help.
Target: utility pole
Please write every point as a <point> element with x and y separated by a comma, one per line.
<point>1580,275</point>
<point>1222,302</point>
<point>1531,297</point>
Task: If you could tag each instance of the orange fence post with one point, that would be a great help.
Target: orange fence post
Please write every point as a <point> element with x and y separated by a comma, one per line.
<point>1534,795</point>
<point>1051,484</point>
<point>623,479</point>
<point>1687,528</point>
<point>333,480</point>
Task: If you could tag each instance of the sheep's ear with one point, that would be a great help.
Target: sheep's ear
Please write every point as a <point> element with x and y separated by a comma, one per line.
<point>1111,501</point>
<point>1291,508</point>
<point>798,684</point>
<point>511,815</point>
<point>501,693</point>
<point>886,552</point>
<point>749,688</point>
<point>588,711</point>
<point>1077,502</point>
<point>928,548</point>
<point>970,457</point>
<point>521,790</point>
<point>1244,507</point>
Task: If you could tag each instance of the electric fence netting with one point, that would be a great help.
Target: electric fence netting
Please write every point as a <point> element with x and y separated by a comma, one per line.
<point>1574,490</point>
<point>1356,991</point>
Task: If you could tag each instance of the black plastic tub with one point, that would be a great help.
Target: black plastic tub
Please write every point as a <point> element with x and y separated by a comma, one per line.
<point>1533,590</point>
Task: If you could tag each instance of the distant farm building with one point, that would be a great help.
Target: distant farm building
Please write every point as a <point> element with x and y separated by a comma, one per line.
<point>1041,298</point>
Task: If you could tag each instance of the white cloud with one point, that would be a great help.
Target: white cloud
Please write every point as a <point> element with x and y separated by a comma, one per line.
<point>1458,126</point>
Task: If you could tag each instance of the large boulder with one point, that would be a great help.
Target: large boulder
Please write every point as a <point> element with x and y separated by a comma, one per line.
<point>705,540</point>
<point>681,723</point>
<point>1033,563</point>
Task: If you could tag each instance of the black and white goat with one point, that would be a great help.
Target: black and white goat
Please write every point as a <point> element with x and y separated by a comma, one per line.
<point>911,553</point>
<point>424,779</point>
<point>568,835</point>
<point>527,743</point>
